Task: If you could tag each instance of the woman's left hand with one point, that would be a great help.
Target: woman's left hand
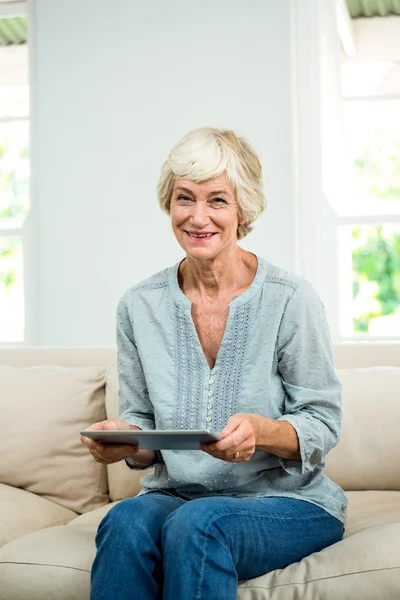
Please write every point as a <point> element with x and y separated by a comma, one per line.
<point>239,442</point>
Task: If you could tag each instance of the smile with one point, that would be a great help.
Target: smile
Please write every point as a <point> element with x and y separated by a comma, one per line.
<point>199,236</point>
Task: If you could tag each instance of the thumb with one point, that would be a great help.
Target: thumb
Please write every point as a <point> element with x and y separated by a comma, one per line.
<point>116,424</point>
<point>111,424</point>
<point>231,425</point>
<point>97,426</point>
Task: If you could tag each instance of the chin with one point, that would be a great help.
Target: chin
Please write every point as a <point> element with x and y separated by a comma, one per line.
<point>201,253</point>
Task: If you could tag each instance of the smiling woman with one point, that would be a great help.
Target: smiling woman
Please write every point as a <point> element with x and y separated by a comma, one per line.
<point>227,342</point>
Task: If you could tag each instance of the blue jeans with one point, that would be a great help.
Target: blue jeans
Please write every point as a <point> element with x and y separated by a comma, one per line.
<point>161,546</point>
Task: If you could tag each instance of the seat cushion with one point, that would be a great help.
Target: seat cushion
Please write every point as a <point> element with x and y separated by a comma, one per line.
<point>53,564</point>
<point>44,408</point>
<point>23,512</point>
<point>92,518</point>
<point>370,508</point>
<point>362,566</point>
<point>56,563</point>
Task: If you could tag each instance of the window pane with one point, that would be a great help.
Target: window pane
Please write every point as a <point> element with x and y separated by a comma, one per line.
<point>375,279</point>
<point>11,290</point>
<point>14,101</point>
<point>362,78</point>
<point>372,132</point>
<point>14,171</point>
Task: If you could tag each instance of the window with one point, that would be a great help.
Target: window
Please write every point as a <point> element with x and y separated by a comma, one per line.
<point>14,174</point>
<point>369,214</point>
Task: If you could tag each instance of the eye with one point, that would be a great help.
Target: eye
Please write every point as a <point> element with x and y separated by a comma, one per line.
<point>184,198</point>
<point>219,201</point>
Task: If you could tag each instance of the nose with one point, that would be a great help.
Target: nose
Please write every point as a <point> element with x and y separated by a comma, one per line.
<point>200,216</point>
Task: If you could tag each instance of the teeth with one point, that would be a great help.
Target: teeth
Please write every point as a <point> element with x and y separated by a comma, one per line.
<point>202,235</point>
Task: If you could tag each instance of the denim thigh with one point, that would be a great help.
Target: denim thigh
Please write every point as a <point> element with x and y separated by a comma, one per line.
<point>262,534</point>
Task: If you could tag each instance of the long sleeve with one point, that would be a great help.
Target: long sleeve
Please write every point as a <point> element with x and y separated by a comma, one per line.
<point>134,403</point>
<point>313,392</point>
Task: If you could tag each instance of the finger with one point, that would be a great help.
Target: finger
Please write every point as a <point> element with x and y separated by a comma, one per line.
<point>115,452</point>
<point>97,426</point>
<point>233,441</point>
<point>232,424</point>
<point>229,456</point>
<point>111,424</point>
<point>91,444</point>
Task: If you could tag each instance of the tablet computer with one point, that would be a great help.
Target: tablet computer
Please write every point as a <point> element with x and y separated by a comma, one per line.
<point>155,439</point>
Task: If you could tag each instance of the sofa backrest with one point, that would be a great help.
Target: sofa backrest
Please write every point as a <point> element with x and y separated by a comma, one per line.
<point>367,455</point>
<point>28,356</point>
<point>46,396</point>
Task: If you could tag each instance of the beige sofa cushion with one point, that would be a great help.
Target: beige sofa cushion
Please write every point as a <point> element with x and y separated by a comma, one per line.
<point>44,409</point>
<point>23,512</point>
<point>93,518</point>
<point>363,566</point>
<point>66,356</point>
<point>367,455</point>
<point>122,481</point>
<point>367,508</point>
<point>53,563</point>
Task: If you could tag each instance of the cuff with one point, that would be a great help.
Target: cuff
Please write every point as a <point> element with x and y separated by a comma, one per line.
<point>302,466</point>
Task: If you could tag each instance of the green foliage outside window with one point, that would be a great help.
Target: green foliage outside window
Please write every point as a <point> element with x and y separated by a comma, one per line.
<point>377,169</point>
<point>376,250</point>
<point>14,205</point>
<point>13,183</point>
<point>14,187</point>
<point>9,249</point>
<point>376,272</point>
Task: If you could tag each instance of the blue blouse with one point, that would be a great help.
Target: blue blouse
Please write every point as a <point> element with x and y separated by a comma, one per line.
<point>275,360</point>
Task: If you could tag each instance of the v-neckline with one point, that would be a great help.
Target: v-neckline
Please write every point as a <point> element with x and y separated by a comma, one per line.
<point>241,299</point>
<point>222,344</point>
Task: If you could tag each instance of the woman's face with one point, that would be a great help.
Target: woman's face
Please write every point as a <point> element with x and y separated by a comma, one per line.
<point>204,216</point>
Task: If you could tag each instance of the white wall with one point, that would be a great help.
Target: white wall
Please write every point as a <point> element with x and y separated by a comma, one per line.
<point>115,85</point>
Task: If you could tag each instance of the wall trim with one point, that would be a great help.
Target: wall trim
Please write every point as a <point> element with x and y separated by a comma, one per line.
<point>315,221</point>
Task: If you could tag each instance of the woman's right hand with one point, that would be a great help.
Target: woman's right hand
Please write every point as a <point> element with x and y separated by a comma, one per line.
<point>107,454</point>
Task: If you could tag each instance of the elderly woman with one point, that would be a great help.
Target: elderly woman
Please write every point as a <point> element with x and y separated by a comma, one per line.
<point>224,341</point>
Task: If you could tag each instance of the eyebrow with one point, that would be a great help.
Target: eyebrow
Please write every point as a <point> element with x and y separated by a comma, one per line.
<point>213,193</point>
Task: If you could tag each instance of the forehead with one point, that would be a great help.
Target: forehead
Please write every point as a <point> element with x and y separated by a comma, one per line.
<point>220,183</point>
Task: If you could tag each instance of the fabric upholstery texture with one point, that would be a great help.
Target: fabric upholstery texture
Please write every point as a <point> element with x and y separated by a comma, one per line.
<point>45,408</point>
<point>366,457</point>
<point>23,512</point>
<point>27,356</point>
<point>48,565</point>
<point>368,509</point>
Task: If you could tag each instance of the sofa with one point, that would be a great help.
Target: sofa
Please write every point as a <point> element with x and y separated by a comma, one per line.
<point>53,494</point>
